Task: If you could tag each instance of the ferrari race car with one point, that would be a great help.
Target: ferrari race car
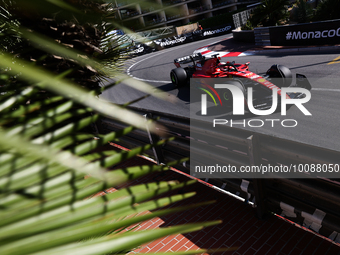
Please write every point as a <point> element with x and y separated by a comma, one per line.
<point>277,76</point>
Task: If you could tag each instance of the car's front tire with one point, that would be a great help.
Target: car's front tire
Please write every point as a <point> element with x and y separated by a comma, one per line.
<point>281,75</point>
<point>228,97</point>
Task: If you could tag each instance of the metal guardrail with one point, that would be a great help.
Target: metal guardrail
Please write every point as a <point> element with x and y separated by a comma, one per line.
<point>313,202</point>
<point>157,32</point>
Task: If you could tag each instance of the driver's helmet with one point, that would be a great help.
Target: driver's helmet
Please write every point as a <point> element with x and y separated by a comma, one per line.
<point>222,66</point>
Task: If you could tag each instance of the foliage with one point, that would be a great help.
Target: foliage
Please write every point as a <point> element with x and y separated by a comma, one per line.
<point>327,10</point>
<point>222,19</point>
<point>303,12</point>
<point>52,62</point>
<point>247,26</point>
<point>270,13</point>
<point>63,23</point>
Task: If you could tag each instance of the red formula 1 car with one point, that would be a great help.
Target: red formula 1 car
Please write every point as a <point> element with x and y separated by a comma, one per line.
<point>277,76</point>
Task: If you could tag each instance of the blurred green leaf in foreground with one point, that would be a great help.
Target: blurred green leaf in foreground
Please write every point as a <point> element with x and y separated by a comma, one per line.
<point>52,61</point>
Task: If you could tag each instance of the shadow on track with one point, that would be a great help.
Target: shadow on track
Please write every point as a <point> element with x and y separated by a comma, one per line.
<point>183,93</point>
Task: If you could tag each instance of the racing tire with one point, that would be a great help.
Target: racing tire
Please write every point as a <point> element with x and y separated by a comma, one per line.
<point>282,75</point>
<point>228,98</point>
<point>179,77</point>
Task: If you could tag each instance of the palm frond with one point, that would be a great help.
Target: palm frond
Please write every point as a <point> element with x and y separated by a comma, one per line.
<point>51,163</point>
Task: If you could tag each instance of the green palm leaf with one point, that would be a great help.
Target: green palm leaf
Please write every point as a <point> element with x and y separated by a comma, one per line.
<point>51,163</point>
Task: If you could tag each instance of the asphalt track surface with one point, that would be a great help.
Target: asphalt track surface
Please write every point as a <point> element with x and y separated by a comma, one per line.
<point>321,129</point>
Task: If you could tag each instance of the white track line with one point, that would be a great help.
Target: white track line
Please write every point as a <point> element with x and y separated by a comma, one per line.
<point>321,89</point>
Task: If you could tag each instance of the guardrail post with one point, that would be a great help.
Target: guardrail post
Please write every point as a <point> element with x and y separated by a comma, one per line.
<point>157,151</point>
<point>255,160</point>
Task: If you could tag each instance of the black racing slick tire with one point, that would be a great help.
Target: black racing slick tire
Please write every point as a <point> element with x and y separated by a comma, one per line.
<point>228,97</point>
<point>179,77</point>
<point>282,76</point>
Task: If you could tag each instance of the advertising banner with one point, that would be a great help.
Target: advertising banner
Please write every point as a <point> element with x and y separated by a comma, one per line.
<point>178,40</point>
<point>217,30</point>
<point>172,41</point>
<point>318,33</point>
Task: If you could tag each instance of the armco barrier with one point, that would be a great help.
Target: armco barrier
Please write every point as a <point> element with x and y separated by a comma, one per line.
<point>313,202</point>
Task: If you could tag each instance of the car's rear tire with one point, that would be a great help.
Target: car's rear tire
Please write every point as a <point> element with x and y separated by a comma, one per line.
<point>179,77</point>
<point>282,76</point>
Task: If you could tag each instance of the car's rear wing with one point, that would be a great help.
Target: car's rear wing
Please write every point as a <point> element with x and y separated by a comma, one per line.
<point>188,59</point>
